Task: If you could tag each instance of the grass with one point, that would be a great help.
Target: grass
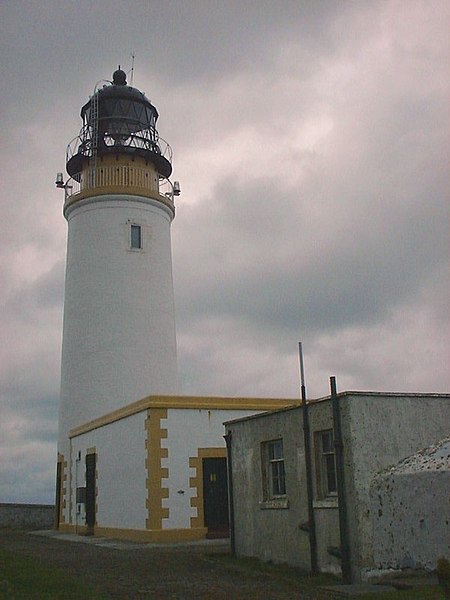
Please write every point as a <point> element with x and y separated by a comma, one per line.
<point>306,582</point>
<point>26,578</point>
<point>431,592</point>
<point>22,578</point>
<point>254,567</point>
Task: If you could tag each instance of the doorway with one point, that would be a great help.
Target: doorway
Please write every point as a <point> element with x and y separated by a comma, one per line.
<point>215,497</point>
<point>90,493</point>
<point>58,494</point>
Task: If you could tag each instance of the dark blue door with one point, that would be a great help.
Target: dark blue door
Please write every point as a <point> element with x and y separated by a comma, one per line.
<point>215,495</point>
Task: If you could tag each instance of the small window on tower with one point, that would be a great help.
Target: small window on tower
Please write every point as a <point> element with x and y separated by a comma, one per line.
<point>135,237</point>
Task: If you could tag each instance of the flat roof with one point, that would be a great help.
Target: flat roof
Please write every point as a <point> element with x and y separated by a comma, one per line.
<point>418,395</point>
<point>183,402</point>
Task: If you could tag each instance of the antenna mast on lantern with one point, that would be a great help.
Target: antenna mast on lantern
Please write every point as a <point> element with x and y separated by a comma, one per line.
<point>132,67</point>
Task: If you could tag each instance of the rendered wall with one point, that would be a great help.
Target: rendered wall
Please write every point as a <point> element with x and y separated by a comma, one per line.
<point>189,430</point>
<point>269,533</point>
<point>379,430</point>
<point>411,511</point>
<point>277,533</point>
<point>119,326</point>
<point>144,483</point>
<point>121,473</point>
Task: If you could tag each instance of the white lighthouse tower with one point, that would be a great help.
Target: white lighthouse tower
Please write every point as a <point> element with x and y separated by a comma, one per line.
<point>119,326</point>
<point>135,459</point>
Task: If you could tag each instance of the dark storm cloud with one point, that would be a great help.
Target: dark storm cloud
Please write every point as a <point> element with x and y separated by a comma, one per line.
<point>183,41</point>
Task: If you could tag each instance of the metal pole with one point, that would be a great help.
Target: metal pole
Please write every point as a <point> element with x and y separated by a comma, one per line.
<point>339,454</point>
<point>228,437</point>
<point>308,464</point>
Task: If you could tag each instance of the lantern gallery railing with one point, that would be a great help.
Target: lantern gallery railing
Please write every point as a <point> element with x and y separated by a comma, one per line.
<point>146,140</point>
<point>112,176</point>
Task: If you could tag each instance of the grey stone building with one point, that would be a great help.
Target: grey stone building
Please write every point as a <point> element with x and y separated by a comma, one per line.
<point>273,514</point>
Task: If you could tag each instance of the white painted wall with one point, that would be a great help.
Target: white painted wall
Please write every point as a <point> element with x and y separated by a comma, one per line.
<point>122,474</point>
<point>188,430</point>
<point>119,327</point>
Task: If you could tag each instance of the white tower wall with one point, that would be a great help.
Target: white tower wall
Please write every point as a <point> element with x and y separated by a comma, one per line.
<point>119,340</point>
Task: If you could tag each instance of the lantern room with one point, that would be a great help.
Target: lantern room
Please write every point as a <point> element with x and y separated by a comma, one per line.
<point>119,124</point>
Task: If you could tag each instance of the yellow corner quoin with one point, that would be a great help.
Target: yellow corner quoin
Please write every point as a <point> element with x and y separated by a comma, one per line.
<point>155,472</point>
<point>196,482</point>
<point>193,402</point>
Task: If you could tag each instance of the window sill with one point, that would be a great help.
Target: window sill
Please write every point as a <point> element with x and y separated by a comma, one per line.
<point>274,503</point>
<point>331,502</point>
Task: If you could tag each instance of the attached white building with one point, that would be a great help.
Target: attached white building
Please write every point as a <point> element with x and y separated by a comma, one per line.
<point>154,470</point>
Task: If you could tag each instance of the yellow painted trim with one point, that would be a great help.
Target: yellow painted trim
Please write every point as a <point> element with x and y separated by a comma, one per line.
<point>67,528</point>
<point>115,189</point>
<point>155,472</point>
<point>71,528</point>
<point>138,178</point>
<point>196,482</point>
<point>82,530</point>
<point>152,535</point>
<point>192,402</point>
<point>141,535</point>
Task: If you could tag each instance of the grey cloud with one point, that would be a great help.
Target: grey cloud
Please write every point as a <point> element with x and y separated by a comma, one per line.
<point>309,140</point>
<point>253,262</point>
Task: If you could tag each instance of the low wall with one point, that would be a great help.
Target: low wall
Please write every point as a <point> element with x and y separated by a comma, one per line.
<point>27,516</point>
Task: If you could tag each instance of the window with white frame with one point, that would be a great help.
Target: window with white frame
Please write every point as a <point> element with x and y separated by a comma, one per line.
<point>274,480</point>
<point>135,236</point>
<point>325,463</point>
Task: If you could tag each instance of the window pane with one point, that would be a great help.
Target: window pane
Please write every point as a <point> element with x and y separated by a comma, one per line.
<point>276,449</point>
<point>278,479</point>
<point>327,442</point>
<point>135,237</point>
<point>331,473</point>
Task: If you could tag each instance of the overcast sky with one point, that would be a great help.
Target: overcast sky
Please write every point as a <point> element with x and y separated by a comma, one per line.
<point>311,142</point>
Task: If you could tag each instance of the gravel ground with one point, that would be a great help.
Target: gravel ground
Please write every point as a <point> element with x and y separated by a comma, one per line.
<point>177,572</point>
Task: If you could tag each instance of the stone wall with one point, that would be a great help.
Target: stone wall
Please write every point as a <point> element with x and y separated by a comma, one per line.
<point>27,516</point>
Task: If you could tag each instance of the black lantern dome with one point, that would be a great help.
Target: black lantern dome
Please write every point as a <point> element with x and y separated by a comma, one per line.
<point>118,119</point>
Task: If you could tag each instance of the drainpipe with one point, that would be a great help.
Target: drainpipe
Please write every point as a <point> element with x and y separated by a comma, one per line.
<point>342,500</point>
<point>308,463</point>
<point>228,437</point>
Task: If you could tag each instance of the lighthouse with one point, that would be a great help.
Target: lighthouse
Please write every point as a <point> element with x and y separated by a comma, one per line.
<point>119,325</point>
<point>135,459</point>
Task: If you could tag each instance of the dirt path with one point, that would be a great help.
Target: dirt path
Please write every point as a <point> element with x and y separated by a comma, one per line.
<point>132,571</point>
